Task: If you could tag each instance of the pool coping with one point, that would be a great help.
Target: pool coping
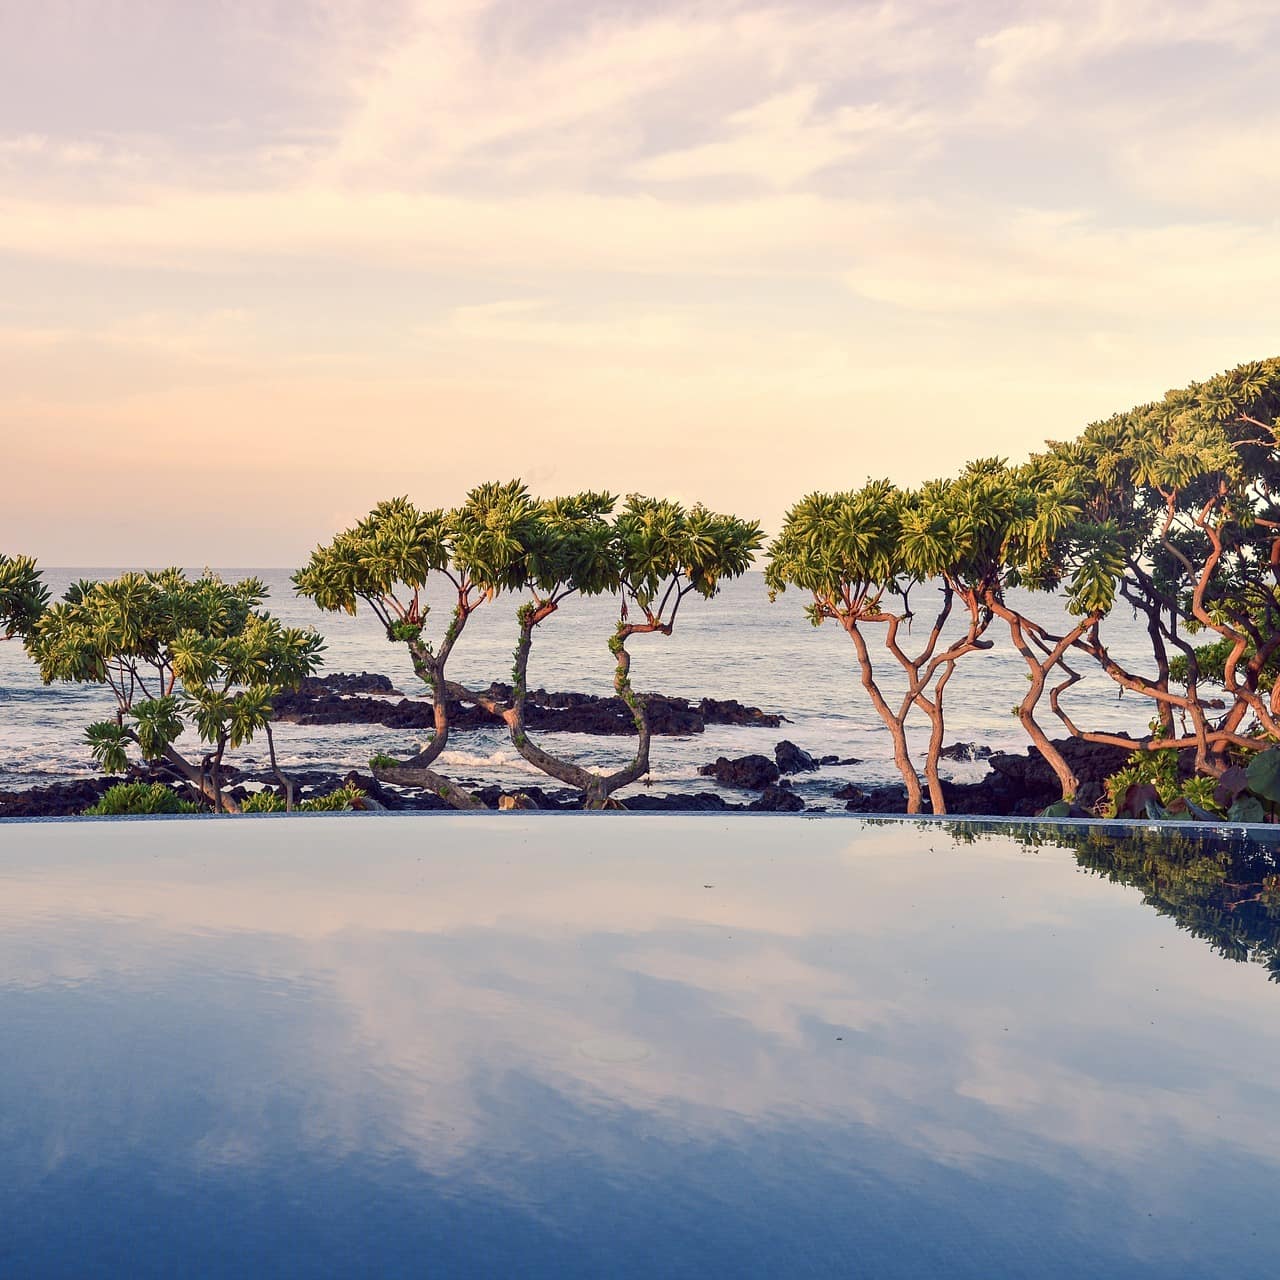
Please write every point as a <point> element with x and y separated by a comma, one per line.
<point>1255,833</point>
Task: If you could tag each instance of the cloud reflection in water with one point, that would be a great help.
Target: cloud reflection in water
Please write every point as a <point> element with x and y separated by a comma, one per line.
<point>546,1043</point>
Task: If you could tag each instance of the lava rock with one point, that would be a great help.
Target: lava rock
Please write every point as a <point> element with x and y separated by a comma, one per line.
<point>777,800</point>
<point>58,800</point>
<point>701,802</point>
<point>890,798</point>
<point>753,772</point>
<point>790,759</point>
<point>492,797</point>
<point>731,711</point>
<point>341,700</point>
<point>965,751</point>
<point>343,682</point>
<point>373,789</point>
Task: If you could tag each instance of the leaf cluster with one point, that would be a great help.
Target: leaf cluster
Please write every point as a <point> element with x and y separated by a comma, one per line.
<point>23,595</point>
<point>134,798</point>
<point>173,650</point>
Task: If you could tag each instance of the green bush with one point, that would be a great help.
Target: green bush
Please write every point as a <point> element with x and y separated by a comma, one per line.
<point>262,802</point>
<point>335,801</point>
<point>268,802</point>
<point>1149,787</point>
<point>140,797</point>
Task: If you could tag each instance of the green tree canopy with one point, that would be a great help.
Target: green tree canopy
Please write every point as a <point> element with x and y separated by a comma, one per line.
<point>653,554</point>
<point>175,652</point>
<point>23,595</point>
<point>388,562</point>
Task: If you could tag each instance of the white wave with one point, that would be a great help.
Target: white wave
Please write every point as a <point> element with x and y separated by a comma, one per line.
<point>494,760</point>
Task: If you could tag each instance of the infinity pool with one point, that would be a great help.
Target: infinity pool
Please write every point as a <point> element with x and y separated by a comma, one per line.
<point>545,1045</point>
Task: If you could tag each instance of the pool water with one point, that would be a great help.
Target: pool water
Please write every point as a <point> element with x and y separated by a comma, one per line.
<point>562,1045</point>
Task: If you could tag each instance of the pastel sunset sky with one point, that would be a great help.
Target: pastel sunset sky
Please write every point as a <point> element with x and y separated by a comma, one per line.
<point>265,262</point>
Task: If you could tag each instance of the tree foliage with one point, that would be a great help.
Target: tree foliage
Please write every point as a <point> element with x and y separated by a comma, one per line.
<point>23,595</point>
<point>176,653</point>
<point>1168,508</point>
<point>653,553</point>
<point>393,559</point>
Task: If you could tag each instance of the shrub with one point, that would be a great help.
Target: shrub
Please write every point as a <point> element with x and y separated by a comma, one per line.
<point>140,798</point>
<point>262,802</point>
<point>342,799</point>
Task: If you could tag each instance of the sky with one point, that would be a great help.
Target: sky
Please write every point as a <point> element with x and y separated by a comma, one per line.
<point>266,262</point>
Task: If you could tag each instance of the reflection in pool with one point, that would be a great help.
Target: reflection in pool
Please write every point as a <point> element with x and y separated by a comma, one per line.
<point>658,1046</point>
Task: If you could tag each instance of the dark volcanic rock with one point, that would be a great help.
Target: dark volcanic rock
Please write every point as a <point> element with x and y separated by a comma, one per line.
<point>58,800</point>
<point>346,683</point>
<point>1018,786</point>
<point>754,772</point>
<point>344,700</point>
<point>777,800</point>
<point>1022,785</point>
<point>965,751</point>
<point>373,789</point>
<point>790,759</point>
<point>532,798</point>
<point>702,802</point>
<point>731,711</point>
<point>890,798</point>
<point>321,707</point>
<point>826,760</point>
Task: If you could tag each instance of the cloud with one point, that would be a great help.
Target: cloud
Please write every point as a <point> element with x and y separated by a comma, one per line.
<point>1066,264</point>
<point>785,140</point>
<point>720,227</point>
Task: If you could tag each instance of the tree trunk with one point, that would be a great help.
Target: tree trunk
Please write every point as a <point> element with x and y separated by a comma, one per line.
<point>901,755</point>
<point>1038,671</point>
<point>202,779</point>
<point>596,788</point>
<point>409,775</point>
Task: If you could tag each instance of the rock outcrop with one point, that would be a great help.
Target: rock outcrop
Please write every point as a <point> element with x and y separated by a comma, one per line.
<point>777,800</point>
<point>790,759</point>
<point>751,773</point>
<point>343,699</point>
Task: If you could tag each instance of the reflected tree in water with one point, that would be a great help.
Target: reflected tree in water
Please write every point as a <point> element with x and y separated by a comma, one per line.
<point>1224,890</point>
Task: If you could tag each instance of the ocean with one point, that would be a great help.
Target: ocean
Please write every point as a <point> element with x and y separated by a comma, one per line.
<point>738,645</point>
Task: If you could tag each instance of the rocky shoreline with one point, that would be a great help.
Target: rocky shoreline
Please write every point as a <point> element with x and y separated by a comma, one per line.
<point>367,699</point>
<point>1018,784</point>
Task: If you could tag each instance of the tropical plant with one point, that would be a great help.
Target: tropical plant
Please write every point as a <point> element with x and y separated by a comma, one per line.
<point>390,561</point>
<point>653,553</point>
<point>174,652</point>
<point>1188,484</point>
<point>23,595</point>
<point>131,798</point>
<point>341,799</point>
<point>862,554</point>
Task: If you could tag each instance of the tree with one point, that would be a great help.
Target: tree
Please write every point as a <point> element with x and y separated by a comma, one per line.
<point>858,552</point>
<point>387,561</point>
<point>654,553</point>
<point>174,652</point>
<point>1047,545</point>
<point>23,595</point>
<point>846,550</point>
<point>1176,501</point>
